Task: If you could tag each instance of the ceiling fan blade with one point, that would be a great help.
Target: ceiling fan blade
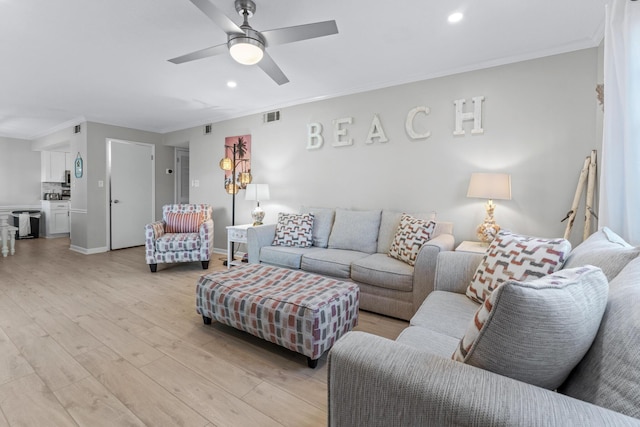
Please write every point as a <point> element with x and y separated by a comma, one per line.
<point>269,66</point>
<point>203,53</point>
<point>299,32</point>
<point>216,15</point>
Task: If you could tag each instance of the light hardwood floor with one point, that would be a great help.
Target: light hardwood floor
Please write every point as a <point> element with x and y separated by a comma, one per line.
<point>98,340</point>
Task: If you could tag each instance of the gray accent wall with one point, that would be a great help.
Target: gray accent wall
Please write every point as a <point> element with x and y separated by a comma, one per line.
<point>540,120</point>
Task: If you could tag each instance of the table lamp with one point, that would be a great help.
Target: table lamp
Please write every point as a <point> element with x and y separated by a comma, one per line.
<point>257,192</point>
<point>489,186</point>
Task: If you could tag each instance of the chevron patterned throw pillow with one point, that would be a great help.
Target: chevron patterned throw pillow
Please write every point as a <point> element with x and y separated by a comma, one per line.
<point>294,230</point>
<point>517,257</point>
<point>411,234</point>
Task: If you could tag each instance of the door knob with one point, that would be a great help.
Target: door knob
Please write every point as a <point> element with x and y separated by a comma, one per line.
<point>116,201</point>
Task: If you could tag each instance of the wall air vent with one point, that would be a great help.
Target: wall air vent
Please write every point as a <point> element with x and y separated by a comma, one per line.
<point>207,129</point>
<point>76,129</point>
<point>272,116</point>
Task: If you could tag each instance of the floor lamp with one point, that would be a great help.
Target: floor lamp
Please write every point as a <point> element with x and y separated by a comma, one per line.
<point>232,187</point>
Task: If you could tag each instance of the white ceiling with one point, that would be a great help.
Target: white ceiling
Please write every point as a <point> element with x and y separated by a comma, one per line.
<point>66,61</point>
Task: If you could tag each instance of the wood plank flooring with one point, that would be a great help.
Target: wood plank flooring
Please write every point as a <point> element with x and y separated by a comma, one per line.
<point>98,340</point>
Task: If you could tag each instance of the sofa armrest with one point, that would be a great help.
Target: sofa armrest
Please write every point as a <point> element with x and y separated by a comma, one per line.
<point>425,266</point>
<point>257,237</point>
<point>454,271</point>
<point>373,381</point>
<point>154,231</point>
<point>206,236</point>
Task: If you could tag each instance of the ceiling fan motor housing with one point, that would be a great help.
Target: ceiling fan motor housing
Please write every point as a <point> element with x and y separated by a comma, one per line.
<point>250,36</point>
<point>245,5</point>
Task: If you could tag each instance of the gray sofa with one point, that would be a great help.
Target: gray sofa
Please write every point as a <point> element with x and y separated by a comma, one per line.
<point>374,381</point>
<point>353,245</point>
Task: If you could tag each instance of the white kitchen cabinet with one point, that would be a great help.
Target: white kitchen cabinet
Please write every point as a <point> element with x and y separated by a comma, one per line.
<point>68,162</point>
<point>56,217</point>
<point>53,166</point>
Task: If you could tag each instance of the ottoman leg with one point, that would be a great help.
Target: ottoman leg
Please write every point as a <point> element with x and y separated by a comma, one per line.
<point>153,267</point>
<point>312,362</point>
<point>206,320</point>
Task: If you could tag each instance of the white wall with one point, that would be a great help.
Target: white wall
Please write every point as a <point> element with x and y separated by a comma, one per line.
<point>539,120</point>
<point>19,174</point>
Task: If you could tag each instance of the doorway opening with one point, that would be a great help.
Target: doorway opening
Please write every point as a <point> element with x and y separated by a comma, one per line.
<point>182,175</point>
<point>130,192</point>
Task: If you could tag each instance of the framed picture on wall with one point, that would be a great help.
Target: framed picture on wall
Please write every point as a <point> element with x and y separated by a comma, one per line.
<point>237,149</point>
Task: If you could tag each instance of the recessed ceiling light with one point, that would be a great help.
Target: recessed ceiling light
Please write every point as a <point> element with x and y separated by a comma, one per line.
<point>231,84</point>
<point>455,17</point>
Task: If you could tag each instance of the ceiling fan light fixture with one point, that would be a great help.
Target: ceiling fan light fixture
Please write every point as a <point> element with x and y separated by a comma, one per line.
<point>455,17</point>
<point>246,50</point>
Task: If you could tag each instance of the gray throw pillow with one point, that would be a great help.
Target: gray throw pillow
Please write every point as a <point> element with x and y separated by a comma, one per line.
<point>609,374</point>
<point>537,331</point>
<point>604,249</point>
<point>355,230</point>
<point>322,223</point>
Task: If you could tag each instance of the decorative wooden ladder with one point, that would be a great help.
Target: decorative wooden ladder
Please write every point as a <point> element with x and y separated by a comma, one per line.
<point>588,178</point>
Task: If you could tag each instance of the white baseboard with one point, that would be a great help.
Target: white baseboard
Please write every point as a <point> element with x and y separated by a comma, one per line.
<point>56,236</point>
<point>86,251</point>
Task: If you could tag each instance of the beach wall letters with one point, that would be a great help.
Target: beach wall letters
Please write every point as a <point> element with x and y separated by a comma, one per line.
<point>376,133</point>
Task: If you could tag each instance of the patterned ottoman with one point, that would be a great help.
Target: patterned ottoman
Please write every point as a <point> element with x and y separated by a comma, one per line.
<point>300,311</point>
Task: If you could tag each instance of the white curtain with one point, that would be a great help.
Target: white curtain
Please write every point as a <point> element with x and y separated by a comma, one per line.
<point>620,172</point>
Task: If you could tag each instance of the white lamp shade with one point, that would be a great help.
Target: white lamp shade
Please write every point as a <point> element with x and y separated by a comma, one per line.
<point>495,186</point>
<point>257,192</point>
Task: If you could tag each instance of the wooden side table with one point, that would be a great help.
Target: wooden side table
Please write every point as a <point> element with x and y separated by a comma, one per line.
<point>235,234</point>
<point>474,247</point>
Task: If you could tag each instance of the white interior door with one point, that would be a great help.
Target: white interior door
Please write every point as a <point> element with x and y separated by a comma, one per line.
<point>182,175</point>
<point>131,191</point>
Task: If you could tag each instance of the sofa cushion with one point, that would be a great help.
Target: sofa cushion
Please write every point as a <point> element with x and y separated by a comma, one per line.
<point>517,257</point>
<point>331,262</point>
<point>609,374</point>
<point>537,331</point>
<point>411,234</point>
<point>178,242</point>
<point>446,312</point>
<point>322,224</point>
<point>429,341</point>
<point>604,249</point>
<point>183,222</point>
<point>294,230</point>
<point>382,271</point>
<point>284,256</point>
<point>389,221</point>
<point>355,230</point>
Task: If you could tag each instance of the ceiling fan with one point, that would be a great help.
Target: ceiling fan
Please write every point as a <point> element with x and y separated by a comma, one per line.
<point>246,45</point>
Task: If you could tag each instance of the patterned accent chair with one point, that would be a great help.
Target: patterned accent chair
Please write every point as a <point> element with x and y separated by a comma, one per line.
<point>193,245</point>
